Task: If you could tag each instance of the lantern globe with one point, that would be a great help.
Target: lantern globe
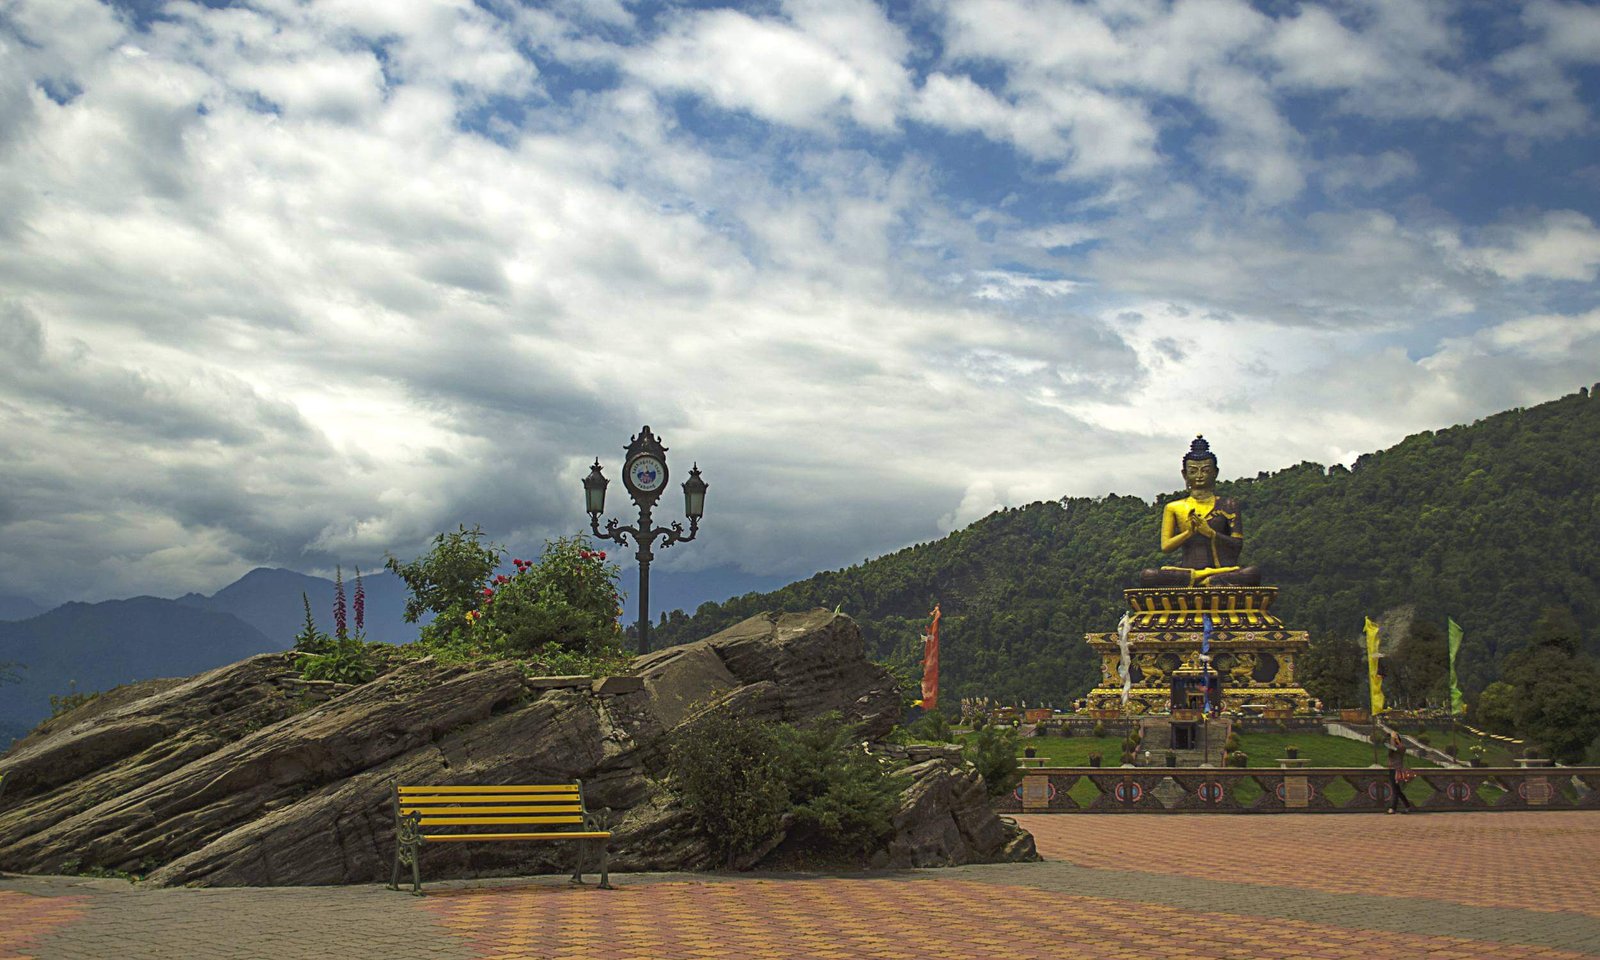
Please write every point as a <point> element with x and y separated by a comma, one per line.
<point>694,494</point>
<point>594,489</point>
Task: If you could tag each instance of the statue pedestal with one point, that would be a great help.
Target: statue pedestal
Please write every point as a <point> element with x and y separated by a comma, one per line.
<point>1252,652</point>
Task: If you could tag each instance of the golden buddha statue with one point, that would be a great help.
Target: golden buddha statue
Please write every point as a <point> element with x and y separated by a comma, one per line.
<point>1208,529</point>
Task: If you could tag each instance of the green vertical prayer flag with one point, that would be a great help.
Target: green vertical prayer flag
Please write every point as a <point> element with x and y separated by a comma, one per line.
<point>1457,704</point>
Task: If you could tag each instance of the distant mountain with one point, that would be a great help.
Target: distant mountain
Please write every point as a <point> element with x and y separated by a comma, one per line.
<point>18,608</point>
<point>1486,523</point>
<point>88,647</point>
<point>269,600</point>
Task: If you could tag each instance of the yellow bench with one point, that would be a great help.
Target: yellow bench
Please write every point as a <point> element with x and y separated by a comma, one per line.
<point>554,812</point>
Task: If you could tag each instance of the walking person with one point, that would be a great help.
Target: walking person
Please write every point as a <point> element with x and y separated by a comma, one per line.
<point>1399,776</point>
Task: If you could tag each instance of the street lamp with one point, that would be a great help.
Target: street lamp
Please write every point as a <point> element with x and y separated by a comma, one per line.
<point>644,474</point>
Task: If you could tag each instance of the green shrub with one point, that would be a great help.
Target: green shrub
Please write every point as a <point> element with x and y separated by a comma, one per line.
<point>349,661</point>
<point>846,796</point>
<point>567,599</point>
<point>739,778</point>
<point>1099,728</point>
<point>68,702</point>
<point>993,751</point>
<point>932,726</point>
<point>320,657</point>
<point>1231,744</point>
<point>729,772</point>
<point>559,613</point>
<point>1238,759</point>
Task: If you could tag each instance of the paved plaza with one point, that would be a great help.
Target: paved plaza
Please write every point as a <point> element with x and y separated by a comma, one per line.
<point>1296,887</point>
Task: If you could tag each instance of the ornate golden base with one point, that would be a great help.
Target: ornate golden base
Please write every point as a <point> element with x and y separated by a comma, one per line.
<point>1143,701</point>
<point>1252,652</point>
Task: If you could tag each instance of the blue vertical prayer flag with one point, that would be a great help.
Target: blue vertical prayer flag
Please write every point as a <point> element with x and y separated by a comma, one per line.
<point>1205,667</point>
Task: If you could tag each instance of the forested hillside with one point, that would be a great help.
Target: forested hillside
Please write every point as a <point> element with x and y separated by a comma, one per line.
<point>1488,523</point>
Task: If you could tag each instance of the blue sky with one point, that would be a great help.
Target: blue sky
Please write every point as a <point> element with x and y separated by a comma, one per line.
<point>296,284</point>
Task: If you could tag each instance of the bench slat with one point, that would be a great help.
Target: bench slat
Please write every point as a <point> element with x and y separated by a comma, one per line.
<point>504,799</point>
<point>459,821</point>
<point>530,788</point>
<point>487,807</point>
<point>587,835</point>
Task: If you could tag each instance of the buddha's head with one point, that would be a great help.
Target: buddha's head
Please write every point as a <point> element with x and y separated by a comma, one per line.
<point>1200,466</point>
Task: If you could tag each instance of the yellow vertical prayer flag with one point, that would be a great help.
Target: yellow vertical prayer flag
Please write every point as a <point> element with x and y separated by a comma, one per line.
<point>1373,680</point>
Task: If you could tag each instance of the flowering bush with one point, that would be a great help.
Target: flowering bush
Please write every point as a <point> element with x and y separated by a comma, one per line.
<point>560,612</point>
<point>567,601</point>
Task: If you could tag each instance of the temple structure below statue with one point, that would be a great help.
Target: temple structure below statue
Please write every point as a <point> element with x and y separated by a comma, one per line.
<point>1252,653</point>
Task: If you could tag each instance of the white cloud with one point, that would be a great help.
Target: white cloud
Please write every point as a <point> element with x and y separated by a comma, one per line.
<point>1005,285</point>
<point>1559,245</point>
<point>1571,31</point>
<point>314,331</point>
<point>827,57</point>
<point>1368,172</point>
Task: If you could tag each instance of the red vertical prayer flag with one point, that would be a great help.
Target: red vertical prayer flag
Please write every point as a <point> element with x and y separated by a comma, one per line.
<point>930,664</point>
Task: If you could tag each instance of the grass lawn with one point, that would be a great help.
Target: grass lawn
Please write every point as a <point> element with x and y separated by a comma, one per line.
<point>1074,751</point>
<point>1322,750</point>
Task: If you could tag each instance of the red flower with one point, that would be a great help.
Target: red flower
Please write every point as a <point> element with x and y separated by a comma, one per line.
<point>602,554</point>
<point>487,592</point>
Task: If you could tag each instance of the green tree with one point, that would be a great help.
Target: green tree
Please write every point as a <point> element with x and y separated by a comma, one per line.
<point>1334,670</point>
<point>1557,688</point>
<point>8,672</point>
<point>1496,708</point>
<point>1418,673</point>
<point>447,581</point>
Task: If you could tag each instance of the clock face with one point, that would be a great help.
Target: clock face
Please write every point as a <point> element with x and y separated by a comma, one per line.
<point>646,474</point>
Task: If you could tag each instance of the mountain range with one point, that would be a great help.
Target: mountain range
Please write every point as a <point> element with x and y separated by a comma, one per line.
<point>89,647</point>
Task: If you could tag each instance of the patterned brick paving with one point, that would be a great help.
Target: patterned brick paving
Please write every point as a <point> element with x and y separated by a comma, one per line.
<point>887,918</point>
<point>25,919</point>
<point>1509,886</point>
<point>1528,861</point>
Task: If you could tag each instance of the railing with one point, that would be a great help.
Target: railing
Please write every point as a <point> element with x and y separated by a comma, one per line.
<point>1297,790</point>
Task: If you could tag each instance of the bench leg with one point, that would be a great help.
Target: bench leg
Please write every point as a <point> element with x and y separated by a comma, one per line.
<point>577,870</point>
<point>605,861</point>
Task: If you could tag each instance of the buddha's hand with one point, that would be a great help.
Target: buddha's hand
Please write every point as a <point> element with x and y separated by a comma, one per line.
<point>1202,527</point>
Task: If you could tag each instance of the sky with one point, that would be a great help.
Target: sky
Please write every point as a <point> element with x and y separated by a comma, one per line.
<point>297,284</point>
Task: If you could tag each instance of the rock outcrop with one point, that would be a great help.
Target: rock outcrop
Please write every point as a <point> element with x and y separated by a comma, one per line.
<point>248,776</point>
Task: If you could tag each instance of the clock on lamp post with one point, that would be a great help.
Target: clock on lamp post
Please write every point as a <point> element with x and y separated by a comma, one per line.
<point>644,474</point>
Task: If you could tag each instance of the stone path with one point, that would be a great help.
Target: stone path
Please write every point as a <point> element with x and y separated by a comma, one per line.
<point>1280,887</point>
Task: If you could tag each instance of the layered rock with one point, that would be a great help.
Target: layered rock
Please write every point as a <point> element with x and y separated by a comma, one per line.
<point>247,776</point>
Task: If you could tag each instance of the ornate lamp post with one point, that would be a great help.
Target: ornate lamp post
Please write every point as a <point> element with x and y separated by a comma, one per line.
<point>644,473</point>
